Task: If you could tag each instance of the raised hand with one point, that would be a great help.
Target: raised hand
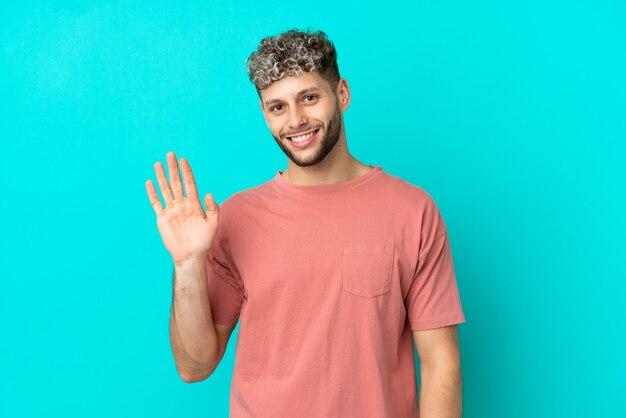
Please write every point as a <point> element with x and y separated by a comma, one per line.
<point>186,230</point>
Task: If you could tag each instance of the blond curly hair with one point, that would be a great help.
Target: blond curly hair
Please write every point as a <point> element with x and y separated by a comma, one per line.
<point>290,53</point>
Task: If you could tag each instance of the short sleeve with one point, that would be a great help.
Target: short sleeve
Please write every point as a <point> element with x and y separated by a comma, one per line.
<point>433,298</point>
<point>225,288</point>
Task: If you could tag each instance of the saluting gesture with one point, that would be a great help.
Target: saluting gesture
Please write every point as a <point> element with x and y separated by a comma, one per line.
<point>186,229</point>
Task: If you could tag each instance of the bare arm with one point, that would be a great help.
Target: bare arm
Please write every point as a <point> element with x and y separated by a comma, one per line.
<point>188,232</point>
<point>192,331</point>
<point>440,371</point>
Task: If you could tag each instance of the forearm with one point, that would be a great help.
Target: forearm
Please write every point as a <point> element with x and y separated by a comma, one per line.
<point>441,391</point>
<point>192,331</point>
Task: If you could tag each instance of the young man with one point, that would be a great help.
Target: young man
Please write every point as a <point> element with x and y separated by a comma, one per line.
<point>333,267</point>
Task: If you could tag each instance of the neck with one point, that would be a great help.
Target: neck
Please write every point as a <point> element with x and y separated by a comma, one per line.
<point>338,166</point>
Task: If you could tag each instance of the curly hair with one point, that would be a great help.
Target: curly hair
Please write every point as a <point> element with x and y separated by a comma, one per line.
<point>290,53</point>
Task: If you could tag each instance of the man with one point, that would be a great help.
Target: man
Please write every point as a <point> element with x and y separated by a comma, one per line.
<point>333,267</point>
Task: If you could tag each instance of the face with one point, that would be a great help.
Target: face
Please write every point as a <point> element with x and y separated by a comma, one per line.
<point>296,106</point>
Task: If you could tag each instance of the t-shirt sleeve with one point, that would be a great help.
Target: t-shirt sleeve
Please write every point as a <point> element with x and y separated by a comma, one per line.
<point>433,298</point>
<point>225,288</point>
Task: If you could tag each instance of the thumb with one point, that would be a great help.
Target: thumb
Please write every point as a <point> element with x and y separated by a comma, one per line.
<point>209,202</point>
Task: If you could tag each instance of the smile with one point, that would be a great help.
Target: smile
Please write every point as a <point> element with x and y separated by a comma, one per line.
<point>303,141</point>
<point>302,138</point>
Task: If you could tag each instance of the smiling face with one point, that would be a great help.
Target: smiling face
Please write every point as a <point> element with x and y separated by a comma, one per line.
<point>304,116</point>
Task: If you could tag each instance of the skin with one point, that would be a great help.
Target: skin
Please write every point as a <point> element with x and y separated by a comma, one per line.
<point>326,160</point>
<point>441,393</point>
<point>188,231</point>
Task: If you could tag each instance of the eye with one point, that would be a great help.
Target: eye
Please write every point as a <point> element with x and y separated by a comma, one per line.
<point>311,95</point>
<point>275,108</point>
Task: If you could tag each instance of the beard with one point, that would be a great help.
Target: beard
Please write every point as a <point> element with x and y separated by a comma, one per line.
<point>327,142</point>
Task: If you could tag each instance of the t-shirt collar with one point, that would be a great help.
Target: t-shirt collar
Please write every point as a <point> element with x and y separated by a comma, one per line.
<point>281,183</point>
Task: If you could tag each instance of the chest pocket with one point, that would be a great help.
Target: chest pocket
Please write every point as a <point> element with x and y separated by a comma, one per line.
<point>366,268</point>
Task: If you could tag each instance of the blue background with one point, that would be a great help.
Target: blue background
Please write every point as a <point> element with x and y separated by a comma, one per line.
<point>510,114</point>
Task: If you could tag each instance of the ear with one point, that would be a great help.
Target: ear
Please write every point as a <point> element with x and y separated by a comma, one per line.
<point>343,94</point>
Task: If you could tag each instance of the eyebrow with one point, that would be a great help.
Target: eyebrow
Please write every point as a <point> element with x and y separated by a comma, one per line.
<point>300,93</point>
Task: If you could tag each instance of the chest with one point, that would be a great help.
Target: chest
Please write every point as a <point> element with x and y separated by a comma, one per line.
<point>321,252</point>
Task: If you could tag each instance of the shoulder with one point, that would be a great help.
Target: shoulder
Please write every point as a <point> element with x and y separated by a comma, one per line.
<point>415,205</point>
<point>408,193</point>
<point>247,198</point>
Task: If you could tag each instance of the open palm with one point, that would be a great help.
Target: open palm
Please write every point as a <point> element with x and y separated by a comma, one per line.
<point>186,229</point>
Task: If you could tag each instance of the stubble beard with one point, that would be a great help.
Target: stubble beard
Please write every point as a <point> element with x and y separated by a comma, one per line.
<point>327,142</point>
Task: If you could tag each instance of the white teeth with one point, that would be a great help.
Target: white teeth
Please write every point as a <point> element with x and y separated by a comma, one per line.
<point>303,137</point>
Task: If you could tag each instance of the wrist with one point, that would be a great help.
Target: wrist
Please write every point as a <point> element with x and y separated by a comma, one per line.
<point>190,262</point>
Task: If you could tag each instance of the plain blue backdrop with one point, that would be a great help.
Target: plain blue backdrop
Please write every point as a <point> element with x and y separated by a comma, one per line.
<point>510,114</point>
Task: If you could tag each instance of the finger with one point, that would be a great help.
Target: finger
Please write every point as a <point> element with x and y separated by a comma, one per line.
<point>209,202</point>
<point>190,182</point>
<point>172,166</point>
<point>154,197</point>
<point>166,192</point>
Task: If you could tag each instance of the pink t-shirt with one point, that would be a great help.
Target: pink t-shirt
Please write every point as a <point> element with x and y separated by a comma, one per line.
<point>327,282</point>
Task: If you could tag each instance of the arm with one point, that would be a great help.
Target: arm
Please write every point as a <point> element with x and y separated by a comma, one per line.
<point>192,332</point>
<point>440,371</point>
<point>188,232</point>
<point>198,344</point>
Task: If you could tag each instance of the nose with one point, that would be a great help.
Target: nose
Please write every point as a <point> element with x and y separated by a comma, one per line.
<point>296,118</point>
